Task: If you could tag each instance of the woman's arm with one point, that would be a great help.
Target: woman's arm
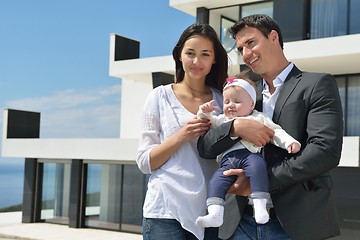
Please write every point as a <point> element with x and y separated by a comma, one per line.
<point>162,152</point>
<point>159,140</point>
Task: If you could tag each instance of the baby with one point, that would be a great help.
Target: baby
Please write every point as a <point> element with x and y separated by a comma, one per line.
<point>239,101</point>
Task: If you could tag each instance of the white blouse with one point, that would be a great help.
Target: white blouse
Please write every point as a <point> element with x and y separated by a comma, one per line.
<point>176,190</point>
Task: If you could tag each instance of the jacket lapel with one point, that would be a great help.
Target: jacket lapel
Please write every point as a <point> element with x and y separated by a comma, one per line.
<point>259,96</point>
<point>288,87</point>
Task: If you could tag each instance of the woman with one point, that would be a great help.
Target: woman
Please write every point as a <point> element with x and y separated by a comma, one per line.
<point>176,192</point>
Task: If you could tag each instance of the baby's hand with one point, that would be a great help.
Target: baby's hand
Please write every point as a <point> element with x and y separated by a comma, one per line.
<point>294,147</point>
<point>208,107</point>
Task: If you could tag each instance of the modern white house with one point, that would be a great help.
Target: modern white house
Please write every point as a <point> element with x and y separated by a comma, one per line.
<point>95,183</point>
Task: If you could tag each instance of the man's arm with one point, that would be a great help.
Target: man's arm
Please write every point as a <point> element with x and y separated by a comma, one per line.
<point>321,137</point>
<point>219,139</point>
<point>215,141</point>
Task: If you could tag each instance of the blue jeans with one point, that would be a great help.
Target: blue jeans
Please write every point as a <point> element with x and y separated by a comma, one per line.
<point>170,229</point>
<point>248,229</point>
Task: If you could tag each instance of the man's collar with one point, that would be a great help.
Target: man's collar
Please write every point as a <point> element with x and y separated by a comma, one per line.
<point>280,79</point>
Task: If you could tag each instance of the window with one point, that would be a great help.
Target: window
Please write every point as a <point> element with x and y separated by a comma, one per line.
<point>55,192</point>
<point>328,18</point>
<point>228,17</point>
<point>133,198</point>
<point>114,197</point>
<point>341,81</point>
<point>354,16</point>
<point>103,195</point>
<point>334,18</point>
<point>353,100</point>
<point>258,8</point>
<point>349,89</point>
<point>226,39</point>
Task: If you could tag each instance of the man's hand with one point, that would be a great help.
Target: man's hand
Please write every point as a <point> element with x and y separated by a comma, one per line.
<point>252,131</point>
<point>294,147</point>
<point>242,185</point>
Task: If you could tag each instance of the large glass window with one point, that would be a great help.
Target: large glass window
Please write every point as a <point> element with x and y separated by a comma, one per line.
<point>341,81</point>
<point>133,198</point>
<point>55,192</point>
<point>226,38</point>
<point>328,18</point>
<point>114,197</point>
<point>354,16</point>
<point>230,15</point>
<point>349,89</point>
<point>103,196</point>
<point>353,108</point>
<point>258,8</point>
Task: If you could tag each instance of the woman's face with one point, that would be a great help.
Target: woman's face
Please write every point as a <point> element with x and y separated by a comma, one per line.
<point>197,57</point>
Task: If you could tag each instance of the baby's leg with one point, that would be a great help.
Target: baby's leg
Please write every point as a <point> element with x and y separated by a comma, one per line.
<point>215,215</point>
<point>261,214</point>
<point>218,186</point>
<point>255,168</point>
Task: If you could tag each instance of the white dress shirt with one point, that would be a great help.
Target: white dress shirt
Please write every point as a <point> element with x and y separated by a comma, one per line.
<point>269,100</point>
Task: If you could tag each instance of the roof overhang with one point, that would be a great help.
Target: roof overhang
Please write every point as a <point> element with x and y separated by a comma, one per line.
<point>190,6</point>
<point>335,55</point>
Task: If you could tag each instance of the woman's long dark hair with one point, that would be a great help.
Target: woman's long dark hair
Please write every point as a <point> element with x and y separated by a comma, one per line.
<point>218,72</point>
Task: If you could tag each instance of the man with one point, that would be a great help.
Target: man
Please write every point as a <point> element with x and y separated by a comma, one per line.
<point>308,107</point>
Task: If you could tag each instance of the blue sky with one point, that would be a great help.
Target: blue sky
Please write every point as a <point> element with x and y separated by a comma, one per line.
<point>54,58</point>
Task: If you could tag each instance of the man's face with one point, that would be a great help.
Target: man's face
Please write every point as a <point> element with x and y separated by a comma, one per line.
<point>256,50</point>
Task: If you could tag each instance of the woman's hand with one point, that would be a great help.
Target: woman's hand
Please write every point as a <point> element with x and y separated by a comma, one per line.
<point>194,128</point>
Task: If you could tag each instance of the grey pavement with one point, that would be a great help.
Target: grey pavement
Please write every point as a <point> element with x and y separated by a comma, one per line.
<point>12,228</point>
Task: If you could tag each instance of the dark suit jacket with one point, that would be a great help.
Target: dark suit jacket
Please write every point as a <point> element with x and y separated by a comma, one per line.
<point>309,109</point>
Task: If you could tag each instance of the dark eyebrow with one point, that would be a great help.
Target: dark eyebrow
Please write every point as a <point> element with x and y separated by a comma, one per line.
<point>246,43</point>
<point>248,40</point>
<point>193,50</point>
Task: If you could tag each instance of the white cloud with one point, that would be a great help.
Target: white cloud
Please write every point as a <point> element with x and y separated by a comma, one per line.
<point>66,99</point>
<point>91,113</point>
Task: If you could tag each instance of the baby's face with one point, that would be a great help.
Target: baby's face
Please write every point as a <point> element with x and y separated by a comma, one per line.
<point>237,102</point>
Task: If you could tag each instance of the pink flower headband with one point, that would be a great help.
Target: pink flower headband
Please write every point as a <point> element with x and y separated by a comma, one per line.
<point>243,84</point>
